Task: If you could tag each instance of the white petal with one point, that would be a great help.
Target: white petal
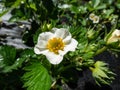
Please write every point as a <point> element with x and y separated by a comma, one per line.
<point>96,19</point>
<point>67,40</point>
<point>45,36</point>
<point>91,16</point>
<point>116,33</point>
<point>38,50</point>
<point>54,58</point>
<point>71,47</point>
<point>62,32</point>
<point>111,40</point>
<point>41,44</point>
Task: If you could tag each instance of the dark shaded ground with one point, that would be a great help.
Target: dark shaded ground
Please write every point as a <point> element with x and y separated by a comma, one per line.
<point>87,82</point>
<point>114,64</point>
<point>11,35</point>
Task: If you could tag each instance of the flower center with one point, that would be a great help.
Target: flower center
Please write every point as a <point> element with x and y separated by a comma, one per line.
<point>55,44</point>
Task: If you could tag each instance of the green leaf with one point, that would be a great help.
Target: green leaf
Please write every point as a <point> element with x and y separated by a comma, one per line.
<point>88,62</point>
<point>88,55</point>
<point>101,73</point>
<point>95,3</point>
<point>24,56</point>
<point>32,5</point>
<point>9,60</point>
<point>74,9</point>
<point>109,1</point>
<point>17,64</point>
<point>15,5</point>
<point>118,5</point>
<point>36,77</point>
<point>3,12</point>
<point>102,6</point>
<point>8,54</point>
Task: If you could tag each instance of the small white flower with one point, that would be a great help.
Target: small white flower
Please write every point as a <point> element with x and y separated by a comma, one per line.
<point>94,18</point>
<point>115,36</point>
<point>91,16</point>
<point>55,44</point>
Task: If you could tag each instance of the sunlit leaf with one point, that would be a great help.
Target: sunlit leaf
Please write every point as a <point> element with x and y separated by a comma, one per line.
<point>37,77</point>
<point>95,3</point>
<point>101,73</point>
<point>32,5</point>
<point>102,6</point>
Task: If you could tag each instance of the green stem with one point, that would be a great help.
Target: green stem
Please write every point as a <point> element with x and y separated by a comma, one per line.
<point>101,50</point>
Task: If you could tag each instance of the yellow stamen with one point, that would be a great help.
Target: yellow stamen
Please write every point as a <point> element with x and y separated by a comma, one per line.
<point>55,44</point>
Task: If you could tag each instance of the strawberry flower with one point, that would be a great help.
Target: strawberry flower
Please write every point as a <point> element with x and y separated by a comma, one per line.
<point>55,44</point>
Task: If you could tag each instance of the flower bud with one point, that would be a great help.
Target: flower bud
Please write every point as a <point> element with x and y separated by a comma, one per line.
<point>114,38</point>
<point>91,34</point>
<point>46,27</point>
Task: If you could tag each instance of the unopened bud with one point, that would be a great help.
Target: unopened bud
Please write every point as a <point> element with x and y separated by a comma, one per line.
<point>91,34</point>
<point>114,38</point>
